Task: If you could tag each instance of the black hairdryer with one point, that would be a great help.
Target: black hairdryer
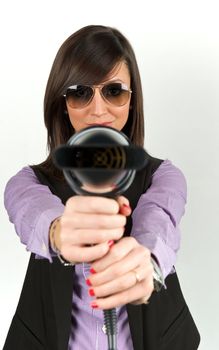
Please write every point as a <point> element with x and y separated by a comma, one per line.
<point>100,161</point>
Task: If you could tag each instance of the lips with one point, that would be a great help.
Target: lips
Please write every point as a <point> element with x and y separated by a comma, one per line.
<point>101,124</point>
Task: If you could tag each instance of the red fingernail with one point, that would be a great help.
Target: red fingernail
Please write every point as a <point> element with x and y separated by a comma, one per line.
<point>110,243</point>
<point>91,292</point>
<point>126,206</point>
<point>92,270</point>
<point>94,305</point>
<point>88,282</point>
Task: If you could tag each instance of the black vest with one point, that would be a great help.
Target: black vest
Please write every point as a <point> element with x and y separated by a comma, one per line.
<point>43,317</point>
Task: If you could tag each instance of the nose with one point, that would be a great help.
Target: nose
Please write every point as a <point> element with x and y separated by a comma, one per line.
<point>98,105</point>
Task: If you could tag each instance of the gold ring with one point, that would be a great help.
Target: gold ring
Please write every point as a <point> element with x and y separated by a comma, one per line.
<point>138,279</point>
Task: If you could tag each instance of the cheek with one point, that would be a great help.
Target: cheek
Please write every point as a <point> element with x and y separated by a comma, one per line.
<point>75,119</point>
<point>123,117</point>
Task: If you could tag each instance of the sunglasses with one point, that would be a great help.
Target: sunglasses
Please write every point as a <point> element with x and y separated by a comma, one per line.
<point>79,96</point>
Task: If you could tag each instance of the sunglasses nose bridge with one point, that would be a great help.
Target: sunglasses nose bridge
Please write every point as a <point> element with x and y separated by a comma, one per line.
<point>98,92</point>
<point>98,101</point>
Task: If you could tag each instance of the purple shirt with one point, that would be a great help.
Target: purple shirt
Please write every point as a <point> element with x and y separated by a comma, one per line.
<point>32,207</point>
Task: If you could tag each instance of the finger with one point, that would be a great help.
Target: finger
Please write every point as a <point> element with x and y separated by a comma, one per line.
<point>90,204</point>
<point>122,283</point>
<point>124,206</point>
<point>94,221</point>
<point>117,252</point>
<point>143,289</point>
<point>84,254</point>
<point>140,256</point>
<point>90,236</point>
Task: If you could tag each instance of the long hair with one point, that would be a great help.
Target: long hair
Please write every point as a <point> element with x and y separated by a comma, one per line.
<point>88,56</point>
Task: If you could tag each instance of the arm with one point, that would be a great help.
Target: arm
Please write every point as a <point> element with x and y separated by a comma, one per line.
<point>31,208</point>
<point>116,285</point>
<point>158,213</point>
<point>155,231</point>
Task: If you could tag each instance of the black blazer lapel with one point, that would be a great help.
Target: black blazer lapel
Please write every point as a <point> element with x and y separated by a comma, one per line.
<point>62,289</point>
<point>136,325</point>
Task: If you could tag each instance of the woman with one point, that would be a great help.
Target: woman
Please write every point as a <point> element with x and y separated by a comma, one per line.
<point>95,253</point>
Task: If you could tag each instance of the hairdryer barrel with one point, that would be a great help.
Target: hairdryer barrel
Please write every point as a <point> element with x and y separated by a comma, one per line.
<point>99,160</point>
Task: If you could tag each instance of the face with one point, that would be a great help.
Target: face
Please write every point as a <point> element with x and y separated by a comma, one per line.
<point>99,111</point>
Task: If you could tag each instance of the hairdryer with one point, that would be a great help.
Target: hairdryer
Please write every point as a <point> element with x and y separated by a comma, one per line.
<point>100,160</point>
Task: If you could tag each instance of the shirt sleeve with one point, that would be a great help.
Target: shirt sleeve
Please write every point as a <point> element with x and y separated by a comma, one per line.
<point>31,208</point>
<point>157,215</point>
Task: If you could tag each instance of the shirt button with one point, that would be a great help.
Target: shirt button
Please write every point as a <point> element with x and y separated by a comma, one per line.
<point>104,329</point>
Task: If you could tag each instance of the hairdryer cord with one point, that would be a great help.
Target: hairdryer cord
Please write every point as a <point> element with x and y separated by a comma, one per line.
<point>110,322</point>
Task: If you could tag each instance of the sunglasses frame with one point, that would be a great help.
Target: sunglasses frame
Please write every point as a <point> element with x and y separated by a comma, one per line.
<point>124,87</point>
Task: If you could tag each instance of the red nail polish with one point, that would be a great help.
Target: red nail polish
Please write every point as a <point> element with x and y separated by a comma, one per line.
<point>126,206</point>
<point>92,270</point>
<point>88,282</point>
<point>91,292</point>
<point>110,243</point>
<point>94,305</point>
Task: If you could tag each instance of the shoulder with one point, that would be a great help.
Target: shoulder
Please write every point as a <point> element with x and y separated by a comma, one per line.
<point>169,175</point>
<point>18,185</point>
<point>168,169</point>
<point>26,175</point>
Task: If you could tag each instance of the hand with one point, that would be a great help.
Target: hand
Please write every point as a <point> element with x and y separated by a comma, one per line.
<point>89,226</point>
<point>124,275</point>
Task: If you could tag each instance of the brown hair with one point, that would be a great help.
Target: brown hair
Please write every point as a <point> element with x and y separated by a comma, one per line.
<point>88,56</point>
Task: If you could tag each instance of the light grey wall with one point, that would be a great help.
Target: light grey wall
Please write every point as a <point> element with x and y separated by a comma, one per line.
<point>177,47</point>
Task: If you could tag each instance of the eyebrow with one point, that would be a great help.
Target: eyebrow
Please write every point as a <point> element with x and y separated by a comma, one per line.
<point>115,80</point>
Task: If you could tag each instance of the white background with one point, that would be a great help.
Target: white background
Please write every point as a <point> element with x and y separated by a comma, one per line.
<point>177,47</point>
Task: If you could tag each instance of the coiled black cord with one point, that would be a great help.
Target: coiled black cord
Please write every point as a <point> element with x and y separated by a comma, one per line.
<point>110,322</point>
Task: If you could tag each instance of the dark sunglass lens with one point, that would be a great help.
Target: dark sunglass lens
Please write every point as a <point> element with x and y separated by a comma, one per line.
<point>115,94</point>
<point>79,95</point>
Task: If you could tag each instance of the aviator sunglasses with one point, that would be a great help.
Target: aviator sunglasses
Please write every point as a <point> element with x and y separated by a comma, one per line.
<point>79,96</point>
